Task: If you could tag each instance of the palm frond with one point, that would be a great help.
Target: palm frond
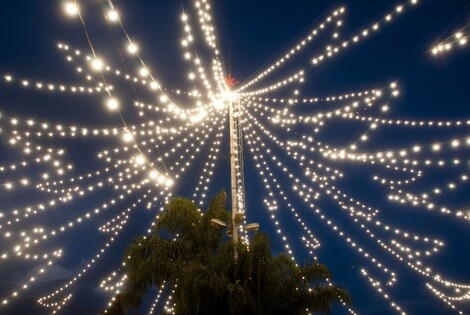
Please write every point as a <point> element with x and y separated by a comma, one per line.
<point>188,252</point>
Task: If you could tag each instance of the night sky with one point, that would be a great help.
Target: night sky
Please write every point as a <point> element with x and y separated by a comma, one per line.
<point>252,35</point>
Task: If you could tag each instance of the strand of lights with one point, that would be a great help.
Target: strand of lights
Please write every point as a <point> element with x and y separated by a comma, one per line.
<point>116,223</point>
<point>90,61</point>
<point>459,213</point>
<point>97,64</point>
<point>311,241</point>
<point>71,133</point>
<point>435,148</point>
<point>334,17</point>
<point>354,245</point>
<point>14,167</point>
<point>43,300</point>
<point>208,170</point>
<point>29,242</point>
<point>271,205</point>
<point>51,87</point>
<point>366,32</point>
<point>23,287</point>
<point>297,77</point>
<point>169,306</point>
<point>307,196</point>
<point>307,244</point>
<point>195,62</point>
<point>135,51</point>
<point>156,300</point>
<point>436,277</point>
<point>406,235</point>
<point>428,204</point>
<point>458,39</point>
<point>53,187</point>
<point>461,297</point>
<point>408,122</point>
<point>116,287</point>
<point>119,284</point>
<point>104,285</point>
<point>183,157</point>
<point>152,85</point>
<point>377,285</point>
<point>287,146</point>
<point>317,99</point>
<point>33,210</point>
<point>320,116</point>
<point>60,129</point>
<point>205,23</point>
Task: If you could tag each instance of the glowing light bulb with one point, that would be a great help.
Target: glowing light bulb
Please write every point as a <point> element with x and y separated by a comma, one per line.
<point>153,174</point>
<point>128,137</point>
<point>112,103</point>
<point>132,48</point>
<point>144,72</point>
<point>71,9</point>
<point>163,98</point>
<point>139,160</point>
<point>154,85</point>
<point>97,64</point>
<point>113,15</point>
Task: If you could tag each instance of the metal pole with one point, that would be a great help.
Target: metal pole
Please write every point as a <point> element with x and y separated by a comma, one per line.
<point>233,173</point>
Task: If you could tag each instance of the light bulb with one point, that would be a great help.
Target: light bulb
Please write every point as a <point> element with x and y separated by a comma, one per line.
<point>144,72</point>
<point>113,15</point>
<point>97,64</point>
<point>154,85</point>
<point>128,137</point>
<point>132,48</point>
<point>112,103</point>
<point>163,98</point>
<point>71,9</point>
<point>139,160</point>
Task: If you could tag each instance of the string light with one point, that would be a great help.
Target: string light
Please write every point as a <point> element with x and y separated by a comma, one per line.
<point>132,48</point>
<point>71,8</point>
<point>458,39</point>
<point>113,15</point>
<point>112,104</point>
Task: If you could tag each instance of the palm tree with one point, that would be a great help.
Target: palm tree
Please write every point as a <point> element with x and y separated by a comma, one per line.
<point>186,251</point>
<point>276,285</point>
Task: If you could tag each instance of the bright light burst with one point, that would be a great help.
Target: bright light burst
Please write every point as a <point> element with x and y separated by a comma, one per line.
<point>177,132</point>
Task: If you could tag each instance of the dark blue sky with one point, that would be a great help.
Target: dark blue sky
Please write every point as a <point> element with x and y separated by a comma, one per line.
<point>255,33</point>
